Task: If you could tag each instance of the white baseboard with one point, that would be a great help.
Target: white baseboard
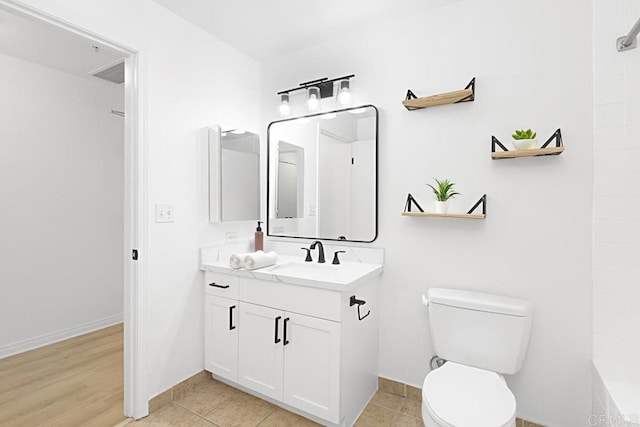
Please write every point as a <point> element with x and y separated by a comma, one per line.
<point>57,336</point>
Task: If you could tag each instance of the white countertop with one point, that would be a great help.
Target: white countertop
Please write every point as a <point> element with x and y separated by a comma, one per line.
<point>292,270</point>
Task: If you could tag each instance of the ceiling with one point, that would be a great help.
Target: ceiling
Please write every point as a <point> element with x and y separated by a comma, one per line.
<point>270,28</point>
<point>46,44</point>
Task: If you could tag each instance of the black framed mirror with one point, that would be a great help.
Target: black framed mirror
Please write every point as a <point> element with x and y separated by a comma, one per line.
<point>322,176</point>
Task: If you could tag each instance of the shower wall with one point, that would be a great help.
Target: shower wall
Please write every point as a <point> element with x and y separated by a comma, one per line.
<point>616,204</point>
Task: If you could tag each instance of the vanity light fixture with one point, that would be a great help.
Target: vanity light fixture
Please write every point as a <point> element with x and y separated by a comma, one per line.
<point>316,91</point>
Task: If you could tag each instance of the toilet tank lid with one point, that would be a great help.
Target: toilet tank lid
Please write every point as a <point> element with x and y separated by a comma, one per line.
<point>480,301</point>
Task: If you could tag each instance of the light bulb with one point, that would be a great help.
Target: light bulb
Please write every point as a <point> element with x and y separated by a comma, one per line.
<point>313,103</point>
<point>284,109</point>
<point>344,98</point>
<point>344,94</point>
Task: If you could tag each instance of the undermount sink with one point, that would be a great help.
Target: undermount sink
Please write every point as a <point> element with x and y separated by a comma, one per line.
<point>345,273</point>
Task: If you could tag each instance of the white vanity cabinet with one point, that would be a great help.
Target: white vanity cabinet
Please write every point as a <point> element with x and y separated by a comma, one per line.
<point>221,349</point>
<point>305,348</point>
<point>220,327</point>
<point>292,358</point>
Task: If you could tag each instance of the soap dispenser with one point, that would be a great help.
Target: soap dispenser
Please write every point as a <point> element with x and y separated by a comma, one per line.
<point>259,238</point>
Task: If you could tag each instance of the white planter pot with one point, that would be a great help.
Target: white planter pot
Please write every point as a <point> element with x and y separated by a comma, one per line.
<point>442,207</point>
<point>525,144</point>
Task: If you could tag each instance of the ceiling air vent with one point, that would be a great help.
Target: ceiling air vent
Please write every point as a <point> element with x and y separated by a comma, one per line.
<point>114,73</point>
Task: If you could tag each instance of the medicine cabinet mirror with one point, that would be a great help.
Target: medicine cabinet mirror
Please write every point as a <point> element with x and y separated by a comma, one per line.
<point>322,178</point>
<point>234,175</point>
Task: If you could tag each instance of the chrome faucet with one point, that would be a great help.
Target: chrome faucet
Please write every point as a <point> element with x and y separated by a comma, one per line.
<point>320,250</point>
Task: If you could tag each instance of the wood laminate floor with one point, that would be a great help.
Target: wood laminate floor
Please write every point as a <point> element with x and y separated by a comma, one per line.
<point>76,382</point>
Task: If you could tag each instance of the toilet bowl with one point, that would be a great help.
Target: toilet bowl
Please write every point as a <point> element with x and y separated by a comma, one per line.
<point>457,395</point>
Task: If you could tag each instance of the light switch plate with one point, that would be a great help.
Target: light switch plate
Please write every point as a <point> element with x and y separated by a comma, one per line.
<point>164,212</point>
<point>311,210</point>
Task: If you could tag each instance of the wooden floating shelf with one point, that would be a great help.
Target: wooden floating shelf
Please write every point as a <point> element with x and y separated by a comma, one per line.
<point>436,215</point>
<point>549,151</point>
<point>411,202</point>
<point>434,100</point>
<point>414,103</point>
<point>545,150</point>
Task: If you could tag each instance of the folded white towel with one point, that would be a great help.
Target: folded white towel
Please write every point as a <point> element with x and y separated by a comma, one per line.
<point>260,260</point>
<point>237,260</point>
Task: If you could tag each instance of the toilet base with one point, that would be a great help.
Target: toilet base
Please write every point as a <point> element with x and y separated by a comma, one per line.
<point>428,420</point>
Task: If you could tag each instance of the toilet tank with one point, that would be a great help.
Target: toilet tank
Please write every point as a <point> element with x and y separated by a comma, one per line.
<point>476,329</point>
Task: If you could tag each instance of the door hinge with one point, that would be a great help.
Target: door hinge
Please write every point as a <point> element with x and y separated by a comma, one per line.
<point>134,254</point>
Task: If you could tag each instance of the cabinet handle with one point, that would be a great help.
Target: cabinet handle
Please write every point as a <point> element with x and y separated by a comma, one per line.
<point>276,340</point>
<point>286,341</point>
<point>215,285</point>
<point>231,327</point>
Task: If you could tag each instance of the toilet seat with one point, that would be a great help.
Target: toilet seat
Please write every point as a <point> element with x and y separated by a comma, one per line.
<point>462,396</point>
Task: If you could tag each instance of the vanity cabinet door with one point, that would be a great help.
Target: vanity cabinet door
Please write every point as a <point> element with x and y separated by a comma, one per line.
<point>312,366</point>
<point>221,337</point>
<point>261,349</point>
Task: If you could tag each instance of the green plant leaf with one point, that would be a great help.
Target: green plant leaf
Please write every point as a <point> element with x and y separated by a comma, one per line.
<point>523,134</point>
<point>444,190</point>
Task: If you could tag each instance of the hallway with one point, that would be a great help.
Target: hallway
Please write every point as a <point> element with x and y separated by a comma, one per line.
<point>75,382</point>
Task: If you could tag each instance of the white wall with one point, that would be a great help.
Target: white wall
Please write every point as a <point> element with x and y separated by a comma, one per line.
<point>532,61</point>
<point>61,186</point>
<point>192,80</point>
<point>616,203</point>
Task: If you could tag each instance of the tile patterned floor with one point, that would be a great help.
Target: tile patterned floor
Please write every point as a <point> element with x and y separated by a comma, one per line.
<point>212,403</point>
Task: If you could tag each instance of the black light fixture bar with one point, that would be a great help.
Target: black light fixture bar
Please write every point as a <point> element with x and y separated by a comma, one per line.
<point>325,85</point>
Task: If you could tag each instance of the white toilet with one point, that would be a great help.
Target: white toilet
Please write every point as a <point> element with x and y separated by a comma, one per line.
<point>481,336</point>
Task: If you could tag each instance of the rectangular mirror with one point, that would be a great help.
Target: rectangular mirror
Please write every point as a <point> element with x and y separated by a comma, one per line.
<point>322,178</point>
<point>234,175</point>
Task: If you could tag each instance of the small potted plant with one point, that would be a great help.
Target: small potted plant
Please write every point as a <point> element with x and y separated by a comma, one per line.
<point>524,139</point>
<point>443,192</point>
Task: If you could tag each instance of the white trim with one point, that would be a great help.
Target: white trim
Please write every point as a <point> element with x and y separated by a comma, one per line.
<point>215,173</point>
<point>57,336</point>
<point>136,403</point>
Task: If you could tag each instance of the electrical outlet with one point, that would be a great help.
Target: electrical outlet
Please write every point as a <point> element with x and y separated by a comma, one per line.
<point>311,210</point>
<point>231,236</point>
<point>164,212</point>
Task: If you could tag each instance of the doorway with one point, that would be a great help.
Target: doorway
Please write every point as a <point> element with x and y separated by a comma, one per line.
<point>43,211</point>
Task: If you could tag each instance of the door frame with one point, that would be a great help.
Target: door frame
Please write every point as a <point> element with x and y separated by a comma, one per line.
<point>136,403</point>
